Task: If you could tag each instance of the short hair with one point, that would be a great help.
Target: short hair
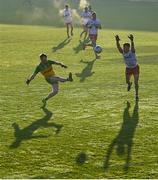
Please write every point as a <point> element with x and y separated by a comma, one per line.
<point>126,44</point>
<point>94,13</point>
<point>42,55</point>
<point>66,5</point>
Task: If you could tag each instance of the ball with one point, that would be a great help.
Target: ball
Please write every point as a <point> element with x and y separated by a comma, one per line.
<point>98,49</point>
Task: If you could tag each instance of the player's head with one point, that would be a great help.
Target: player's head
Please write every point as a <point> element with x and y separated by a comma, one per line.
<point>86,9</point>
<point>90,7</point>
<point>94,15</point>
<point>43,58</point>
<point>66,6</point>
<point>126,47</point>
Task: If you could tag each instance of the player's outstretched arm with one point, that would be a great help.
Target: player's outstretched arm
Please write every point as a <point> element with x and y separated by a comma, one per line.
<point>60,64</point>
<point>117,38</point>
<point>30,78</point>
<point>131,37</point>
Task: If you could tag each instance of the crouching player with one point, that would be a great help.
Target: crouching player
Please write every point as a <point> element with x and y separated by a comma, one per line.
<point>93,25</point>
<point>46,69</point>
<point>132,67</point>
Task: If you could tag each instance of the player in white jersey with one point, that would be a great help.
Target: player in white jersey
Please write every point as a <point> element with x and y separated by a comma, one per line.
<point>85,16</point>
<point>93,25</point>
<point>90,9</point>
<point>67,14</point>
<point>132,67</point>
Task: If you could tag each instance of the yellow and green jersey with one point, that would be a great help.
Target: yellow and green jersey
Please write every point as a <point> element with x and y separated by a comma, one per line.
<point>45,69</point>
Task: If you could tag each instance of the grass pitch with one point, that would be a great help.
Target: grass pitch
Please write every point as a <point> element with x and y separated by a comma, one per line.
<point>93,128</point>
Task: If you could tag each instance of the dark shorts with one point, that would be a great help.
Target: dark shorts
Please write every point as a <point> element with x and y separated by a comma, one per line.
<point>52,80</point>
<point>93,37</point>
<point>133,71</point>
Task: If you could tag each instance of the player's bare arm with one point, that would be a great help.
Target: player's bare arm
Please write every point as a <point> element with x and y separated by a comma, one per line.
<point>30,78</point>
<point>118,44</point>
<point>99,26</point>
<point>131,37</point>
<point>60,64</point>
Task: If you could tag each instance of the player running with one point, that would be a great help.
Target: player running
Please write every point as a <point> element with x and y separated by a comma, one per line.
<point>46,69</point>
<point>93,25</point>
<point>132,67</point>
<point>85,16</point>
<point>67,14</point>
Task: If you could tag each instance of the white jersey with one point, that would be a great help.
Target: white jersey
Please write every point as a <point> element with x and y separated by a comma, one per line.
<point>130,59</point>
<point>86,16</point>
<point>67,16</point>
<point>93,26</point>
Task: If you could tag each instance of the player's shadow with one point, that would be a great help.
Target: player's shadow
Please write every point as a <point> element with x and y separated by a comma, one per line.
<point>123,142</point>
<point>87,70</point>
<point>81,45</point>
<point>61,45</point>
<point>27,133</point>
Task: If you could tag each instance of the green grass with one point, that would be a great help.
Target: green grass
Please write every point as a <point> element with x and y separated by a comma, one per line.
<point>86,118</point>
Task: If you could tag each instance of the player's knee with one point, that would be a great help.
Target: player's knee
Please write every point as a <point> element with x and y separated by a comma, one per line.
<point>136,83</point>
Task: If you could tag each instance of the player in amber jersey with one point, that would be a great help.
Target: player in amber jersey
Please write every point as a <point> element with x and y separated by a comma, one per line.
<point>46,69</point>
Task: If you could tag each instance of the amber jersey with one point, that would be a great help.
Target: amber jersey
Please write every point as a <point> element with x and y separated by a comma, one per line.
<point>46,69</point>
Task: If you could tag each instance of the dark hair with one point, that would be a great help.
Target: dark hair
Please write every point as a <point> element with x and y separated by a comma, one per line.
<point>66,5</point>
<point>42,55</point>
<point>126,44</point>
<point>94,13</point>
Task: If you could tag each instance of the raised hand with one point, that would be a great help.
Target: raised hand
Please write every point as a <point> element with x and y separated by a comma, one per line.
<point>131,37</point>
<point>117,38</point>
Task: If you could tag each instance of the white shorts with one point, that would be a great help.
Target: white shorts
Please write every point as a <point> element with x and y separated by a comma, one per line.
<point>68,20</point>
<point>84,22</point>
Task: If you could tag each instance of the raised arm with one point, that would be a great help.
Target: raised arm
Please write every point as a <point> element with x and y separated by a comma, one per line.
<point>118,44</point>
<point>58,63</point>
<point>131,37</point>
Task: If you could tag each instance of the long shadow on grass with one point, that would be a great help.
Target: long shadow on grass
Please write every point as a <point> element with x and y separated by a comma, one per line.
<point>87,70</point>
<point>123,142</point>
<point>61,45</point>
<point>27,133</point>
<point>81,45</point>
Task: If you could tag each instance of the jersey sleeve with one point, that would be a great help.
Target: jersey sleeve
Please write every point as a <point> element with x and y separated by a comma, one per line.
<point>51,62</point>
<point>37,70</point>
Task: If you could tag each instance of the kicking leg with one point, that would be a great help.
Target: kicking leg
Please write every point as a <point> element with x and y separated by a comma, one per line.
<point>60,79</point>
<point>94,42</point>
